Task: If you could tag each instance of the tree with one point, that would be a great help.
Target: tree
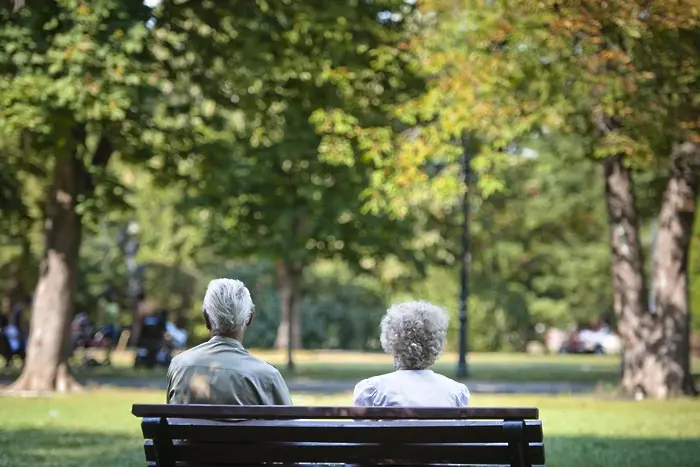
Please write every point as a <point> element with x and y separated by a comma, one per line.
<point>507,69</point>
<point>77,85</point>
<point>539,249</point>
<point>637,72</point>
<point>288,194</point>
<point>50,58</point>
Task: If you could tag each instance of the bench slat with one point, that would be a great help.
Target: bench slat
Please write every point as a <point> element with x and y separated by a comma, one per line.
<point>407,431</point>
<point>251,453</point>
<point>298,412</point>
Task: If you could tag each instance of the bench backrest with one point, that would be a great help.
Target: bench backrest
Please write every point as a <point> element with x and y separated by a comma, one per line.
<point>189,435</point>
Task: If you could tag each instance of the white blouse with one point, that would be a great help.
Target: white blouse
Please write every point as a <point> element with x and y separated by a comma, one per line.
<point>411,388</point>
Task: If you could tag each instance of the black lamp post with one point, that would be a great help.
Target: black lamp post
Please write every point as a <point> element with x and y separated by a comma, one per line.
<point>462,369</point>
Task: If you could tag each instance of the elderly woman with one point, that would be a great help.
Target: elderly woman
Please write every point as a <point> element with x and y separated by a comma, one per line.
<point>414,334</point>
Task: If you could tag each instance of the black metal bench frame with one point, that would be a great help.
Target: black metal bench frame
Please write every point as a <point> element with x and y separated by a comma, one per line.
<point>209,435</point>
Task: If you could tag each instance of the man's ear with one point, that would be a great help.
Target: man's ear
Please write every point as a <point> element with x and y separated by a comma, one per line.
<point>207,322</point>
<point>251,319</point>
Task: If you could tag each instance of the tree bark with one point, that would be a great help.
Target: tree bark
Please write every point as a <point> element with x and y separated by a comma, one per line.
<point>288,337</point>
<point>46,367</point>
<point>635,324</point>
<point>656,336</point>
<point>668,373</point>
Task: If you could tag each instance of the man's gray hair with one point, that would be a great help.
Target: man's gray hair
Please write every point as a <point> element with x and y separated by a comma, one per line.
<point>414,333</point>
<point>228,305</point>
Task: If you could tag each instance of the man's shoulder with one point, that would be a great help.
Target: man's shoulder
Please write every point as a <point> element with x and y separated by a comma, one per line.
<point>237,362</point>
<point>261,367</point>
<point>188,357</point>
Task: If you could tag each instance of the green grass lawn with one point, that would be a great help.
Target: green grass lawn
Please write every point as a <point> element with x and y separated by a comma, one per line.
<point>354,366</point>
<point>95,428</point>
<point>482,367</point>
<point>502,367</point>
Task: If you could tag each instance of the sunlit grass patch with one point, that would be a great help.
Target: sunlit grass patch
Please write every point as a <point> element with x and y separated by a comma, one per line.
<point>96,428</point>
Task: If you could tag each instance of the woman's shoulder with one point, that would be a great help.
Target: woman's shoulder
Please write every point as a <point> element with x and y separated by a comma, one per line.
<point>455,386</point>
<point>369,383</point>
<point>367,390</point>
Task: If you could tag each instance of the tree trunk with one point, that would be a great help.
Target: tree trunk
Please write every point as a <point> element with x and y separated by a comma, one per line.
<point>289,337</point>
<point>635,324</point>
<point>668,373</point>
<point>46,367</point>
<point>656,340</point>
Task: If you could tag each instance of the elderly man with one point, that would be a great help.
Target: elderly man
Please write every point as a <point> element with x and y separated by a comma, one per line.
<point>221,371</point>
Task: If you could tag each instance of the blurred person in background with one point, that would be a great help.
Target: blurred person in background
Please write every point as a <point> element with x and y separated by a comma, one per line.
<point>108,322</point>
<point>172,338</point>
<point>414,333</point>
<point>177,335</point>
<point>221,371</point>
<point>151,339</point>
<point>14,332</point>
<point>142,308</point>
<point>11,343</point>
<point>20,320</point>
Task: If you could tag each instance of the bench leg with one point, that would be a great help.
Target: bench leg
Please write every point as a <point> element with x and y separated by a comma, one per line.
<point>515,433</point>
<point>163,445</point>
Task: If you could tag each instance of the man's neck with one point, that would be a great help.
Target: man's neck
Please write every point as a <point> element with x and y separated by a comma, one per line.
<point>230,335</point>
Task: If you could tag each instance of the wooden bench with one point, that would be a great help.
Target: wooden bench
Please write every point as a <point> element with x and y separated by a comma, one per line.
<point>216,435</point>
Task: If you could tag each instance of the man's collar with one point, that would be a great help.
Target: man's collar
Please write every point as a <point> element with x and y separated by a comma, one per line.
<point>227,340</point>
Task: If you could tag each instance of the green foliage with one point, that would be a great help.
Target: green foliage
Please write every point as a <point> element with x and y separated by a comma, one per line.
<point>14,212</point>
<point>69,63</point>
<point>618,69</point>
<point>169,245</point>
<point>341,311</point>
<point>276,73</point>
<point>539,251</point>
<point>338,312</point>
<point>311,132</point>
<point>622,75</point>
<point>82,83</point>
<point>296,81</point>
<point>18,195</point>
<point>85,80</point>
<point>694,268</point>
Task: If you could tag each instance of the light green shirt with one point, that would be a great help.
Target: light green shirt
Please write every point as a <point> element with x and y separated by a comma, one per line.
<point>221,371</point>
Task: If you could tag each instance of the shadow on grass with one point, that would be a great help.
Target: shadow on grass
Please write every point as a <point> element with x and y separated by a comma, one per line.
<point>57,447</point>
<point>54,447</point>
<point>595,451</point>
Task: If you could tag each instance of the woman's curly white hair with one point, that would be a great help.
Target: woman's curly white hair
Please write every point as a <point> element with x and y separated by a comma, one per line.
<point>414,333</point>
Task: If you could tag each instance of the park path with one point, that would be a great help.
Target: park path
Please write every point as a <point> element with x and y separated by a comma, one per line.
<point>336,387</point>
